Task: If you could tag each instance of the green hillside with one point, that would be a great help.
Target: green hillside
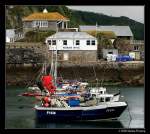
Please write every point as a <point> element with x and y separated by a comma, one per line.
<point>15,13</point>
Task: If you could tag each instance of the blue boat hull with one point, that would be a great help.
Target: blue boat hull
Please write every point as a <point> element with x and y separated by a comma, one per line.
<point>68,115</point>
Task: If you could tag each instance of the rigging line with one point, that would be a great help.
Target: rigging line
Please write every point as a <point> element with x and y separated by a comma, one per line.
<point>32,79</point>
<point>51,68</point>
<point>75,76</point>
<point>105,67</point>
<point>129,115</point>
<point>61,76</point>
<point>95,76</point>
<point>48,58</point>
<point>94,71</point>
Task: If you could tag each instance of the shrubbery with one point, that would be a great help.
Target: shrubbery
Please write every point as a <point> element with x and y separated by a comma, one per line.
<point>37,36</point>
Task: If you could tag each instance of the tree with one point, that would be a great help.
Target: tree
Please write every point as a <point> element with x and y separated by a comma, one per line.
<point>122,45</point>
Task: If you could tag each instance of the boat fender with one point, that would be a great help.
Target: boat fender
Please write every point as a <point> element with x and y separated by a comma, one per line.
<point>47,99</point>
<point>46,105</point>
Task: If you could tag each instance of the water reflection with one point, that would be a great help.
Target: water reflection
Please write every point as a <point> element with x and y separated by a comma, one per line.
<point>81,124</point>
<point>20,110</point>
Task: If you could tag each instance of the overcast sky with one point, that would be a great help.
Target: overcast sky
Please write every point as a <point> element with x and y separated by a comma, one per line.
<point>133,12</point>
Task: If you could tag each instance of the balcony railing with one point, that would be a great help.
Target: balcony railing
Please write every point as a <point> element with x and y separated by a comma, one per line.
<point>137,41</point>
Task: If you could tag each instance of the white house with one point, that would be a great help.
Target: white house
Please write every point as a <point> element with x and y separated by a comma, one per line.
<point>12,35</point>
<point>73,45</point>
<point>72,41</point>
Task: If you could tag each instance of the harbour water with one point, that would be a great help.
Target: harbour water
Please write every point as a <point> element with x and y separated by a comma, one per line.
<point>19,112</point>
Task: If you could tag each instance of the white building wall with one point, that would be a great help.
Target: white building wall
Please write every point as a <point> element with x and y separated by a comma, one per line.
<point>7,39</point>
<point>106,51</point>
<point>71,45</point>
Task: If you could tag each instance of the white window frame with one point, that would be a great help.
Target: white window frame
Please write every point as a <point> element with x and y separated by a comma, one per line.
<point>42,23</point>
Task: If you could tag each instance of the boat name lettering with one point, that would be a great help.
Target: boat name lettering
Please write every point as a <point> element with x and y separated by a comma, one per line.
<point>52,112</point>
<point>110,110</point>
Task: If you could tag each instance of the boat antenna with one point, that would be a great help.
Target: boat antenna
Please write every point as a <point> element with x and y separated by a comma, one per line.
<point>96,29</point>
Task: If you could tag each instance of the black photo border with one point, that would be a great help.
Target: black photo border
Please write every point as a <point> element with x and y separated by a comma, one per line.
<point>71,2</point>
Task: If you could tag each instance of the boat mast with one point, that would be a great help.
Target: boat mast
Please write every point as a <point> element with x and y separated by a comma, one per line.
<point>55,71</point>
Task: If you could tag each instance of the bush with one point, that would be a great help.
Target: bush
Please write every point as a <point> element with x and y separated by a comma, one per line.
<point>37,36</point>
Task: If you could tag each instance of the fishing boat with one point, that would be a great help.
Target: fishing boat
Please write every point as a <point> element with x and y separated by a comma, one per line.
<point>56,107</point>
<point>108,110</point>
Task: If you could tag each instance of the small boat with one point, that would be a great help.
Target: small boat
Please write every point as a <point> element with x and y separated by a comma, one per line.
<point>100,93</point>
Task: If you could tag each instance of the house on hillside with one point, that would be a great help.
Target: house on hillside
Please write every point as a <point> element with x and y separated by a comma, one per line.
<point>137,49</point>
<point>77,47</point>
<point>45,21</point>
<point>13,35</point>
<point>120,31</point>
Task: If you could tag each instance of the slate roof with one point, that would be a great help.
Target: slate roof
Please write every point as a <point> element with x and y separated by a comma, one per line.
<point>71,35</point>
<point>118,30</point>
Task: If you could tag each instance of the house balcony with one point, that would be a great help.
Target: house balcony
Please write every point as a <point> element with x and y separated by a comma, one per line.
<point>137,42</point>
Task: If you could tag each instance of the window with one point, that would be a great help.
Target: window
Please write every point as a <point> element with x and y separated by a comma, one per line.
<point>54,42</point>
<point>101,92</point>
<point>49,42</point>
<point>107,99</point>
<point>88,42</point>
<point>77,42</point>
<point>136,48</point>
<point>37,23</point>
<point>101,99</point>
<point>40,23</point>
<point>64,42</point>
<point>110,52</point>
<point>93,42</point>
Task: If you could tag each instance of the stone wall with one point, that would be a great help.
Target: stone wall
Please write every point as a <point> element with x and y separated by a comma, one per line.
<point>21,52</point>
<point>78,57</point>
<point>114,73</point>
